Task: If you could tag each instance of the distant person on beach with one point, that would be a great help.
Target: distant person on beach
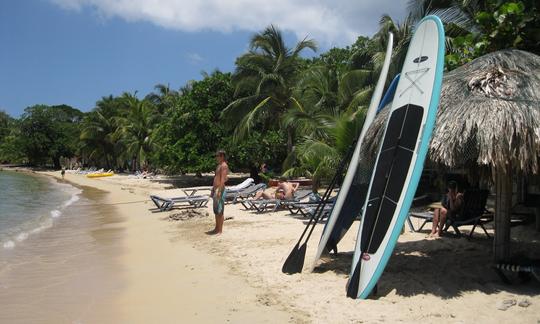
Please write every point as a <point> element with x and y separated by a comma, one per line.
<point>218,191</point>
<point>451,205</point>
<point>63,172</point>
<point>285,190</point>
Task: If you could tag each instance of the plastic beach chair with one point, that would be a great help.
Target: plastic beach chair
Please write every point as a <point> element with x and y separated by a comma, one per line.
<point>262,205</point>
<point>245,184</point>
<point>242,195</point>
<point>164,204</point>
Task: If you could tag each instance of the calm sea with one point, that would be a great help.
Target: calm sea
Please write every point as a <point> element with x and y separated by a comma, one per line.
<point>30,204</point>
<point>58,252</point>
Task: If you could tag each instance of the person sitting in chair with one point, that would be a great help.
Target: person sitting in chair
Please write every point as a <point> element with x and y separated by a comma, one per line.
<point>285,190</point>
<point>451,205</point>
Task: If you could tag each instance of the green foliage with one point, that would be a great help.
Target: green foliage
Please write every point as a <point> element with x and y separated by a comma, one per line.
<point>294,114</point>
<point>191,130</point>
<point>134,130</point>
<point>48,133</point>
<point>264,80</point>
<point>494,25</point>
<point>269,147</point>
<point>10,140</point>
<point>98,143</point>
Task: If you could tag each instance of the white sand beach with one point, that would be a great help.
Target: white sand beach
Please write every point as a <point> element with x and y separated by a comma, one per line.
<point>171,271</point>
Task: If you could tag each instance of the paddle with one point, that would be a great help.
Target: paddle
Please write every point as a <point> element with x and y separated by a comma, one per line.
<point>295,261</point>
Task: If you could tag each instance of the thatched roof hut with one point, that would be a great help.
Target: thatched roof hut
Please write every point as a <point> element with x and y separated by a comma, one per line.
<point>489,113</point>
<point>489,116</point>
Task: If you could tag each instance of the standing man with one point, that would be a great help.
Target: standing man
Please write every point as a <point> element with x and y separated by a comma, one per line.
<point>218,191</point>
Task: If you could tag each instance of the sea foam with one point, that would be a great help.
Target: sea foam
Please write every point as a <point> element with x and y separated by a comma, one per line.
<point>46,222</point>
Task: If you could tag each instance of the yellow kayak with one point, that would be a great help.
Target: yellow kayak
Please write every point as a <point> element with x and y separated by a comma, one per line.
<point>99,175</point>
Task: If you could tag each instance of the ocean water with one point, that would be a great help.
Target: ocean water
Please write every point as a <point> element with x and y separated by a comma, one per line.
<point>59,248</point>
<point>30,204</point>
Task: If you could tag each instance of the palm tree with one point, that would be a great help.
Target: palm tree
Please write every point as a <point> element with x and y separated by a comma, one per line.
<point>402,32</point>
<point>319,157</point>
<point>264,80</point>
<point>98,132</point>
<point>135,129</point>
<point>329,117</point>
<point>162,98</point>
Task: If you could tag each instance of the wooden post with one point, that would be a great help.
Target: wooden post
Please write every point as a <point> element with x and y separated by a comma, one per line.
<point>503,203</point>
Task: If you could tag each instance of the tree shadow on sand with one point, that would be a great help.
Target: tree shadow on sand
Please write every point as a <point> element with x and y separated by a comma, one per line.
<point>446,267</point>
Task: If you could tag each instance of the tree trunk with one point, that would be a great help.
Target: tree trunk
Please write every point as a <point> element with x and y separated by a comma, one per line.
<point>290,138</point>
<point>503,204</point>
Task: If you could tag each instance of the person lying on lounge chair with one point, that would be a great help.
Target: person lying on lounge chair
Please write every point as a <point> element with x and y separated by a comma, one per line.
<point>285,190</point>
<point>451,205</point>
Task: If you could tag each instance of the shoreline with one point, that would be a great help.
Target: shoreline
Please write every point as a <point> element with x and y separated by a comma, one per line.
<point>67,271</point>
<point>167,279</point>
<point>167,267</point>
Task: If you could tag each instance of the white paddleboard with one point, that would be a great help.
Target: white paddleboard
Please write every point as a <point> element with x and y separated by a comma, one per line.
<point>401,156</point>
<point>337,211</point>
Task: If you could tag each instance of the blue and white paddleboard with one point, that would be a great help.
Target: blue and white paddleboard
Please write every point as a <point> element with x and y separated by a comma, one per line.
<point>340,219</point>
<point>401,156</point>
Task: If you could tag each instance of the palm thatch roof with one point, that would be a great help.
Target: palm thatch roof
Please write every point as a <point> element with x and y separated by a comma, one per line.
<point>489,114</point>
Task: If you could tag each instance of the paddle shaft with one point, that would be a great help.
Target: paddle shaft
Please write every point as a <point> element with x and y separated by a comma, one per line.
<point>339,171</point>
<point>318,211</point>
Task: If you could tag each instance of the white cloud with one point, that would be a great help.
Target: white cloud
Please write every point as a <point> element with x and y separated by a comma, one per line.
<point>331,22</point>
<point>194,58</point>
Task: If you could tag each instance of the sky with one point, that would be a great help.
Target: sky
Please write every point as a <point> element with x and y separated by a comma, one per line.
<point>76,51</point>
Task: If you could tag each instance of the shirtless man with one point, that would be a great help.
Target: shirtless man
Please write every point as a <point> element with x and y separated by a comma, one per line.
<point>218,191</point>
<point>285,190</point>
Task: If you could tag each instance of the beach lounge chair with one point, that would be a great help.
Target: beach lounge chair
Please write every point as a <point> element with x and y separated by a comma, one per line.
<point>241,196</point>
<point>307,210</point>
<point>245,184</point>
<point>473,213</point>
<point>164,204</point>
<point>262,205</point>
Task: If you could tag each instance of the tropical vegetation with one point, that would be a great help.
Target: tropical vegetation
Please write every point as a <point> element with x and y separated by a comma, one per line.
<point>297,114</point>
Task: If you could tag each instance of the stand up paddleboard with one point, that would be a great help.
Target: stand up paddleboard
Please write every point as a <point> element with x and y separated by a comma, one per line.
<point>346,207</point>
<point>401,156</point>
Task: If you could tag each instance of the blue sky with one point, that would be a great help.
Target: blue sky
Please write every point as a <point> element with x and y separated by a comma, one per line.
<point>76,51</point>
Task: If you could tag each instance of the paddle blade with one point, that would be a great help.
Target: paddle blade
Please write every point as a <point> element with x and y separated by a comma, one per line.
<point>295,260</point>
<point>354,281</point>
